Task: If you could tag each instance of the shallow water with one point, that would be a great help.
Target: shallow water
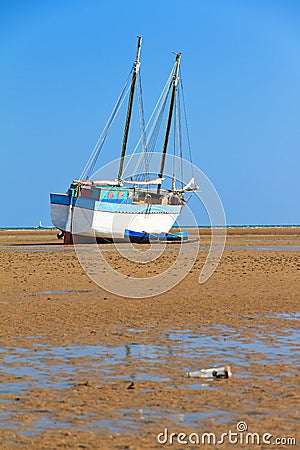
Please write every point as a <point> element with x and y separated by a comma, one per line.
<point>63,291</point>
<point>59,248</point>
<point>47,366</point>
<point>128,420</point>
<point>295,316</point>
<point>44,366</point>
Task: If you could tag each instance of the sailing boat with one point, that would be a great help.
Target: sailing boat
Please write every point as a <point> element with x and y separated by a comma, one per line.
<point>121,208</point>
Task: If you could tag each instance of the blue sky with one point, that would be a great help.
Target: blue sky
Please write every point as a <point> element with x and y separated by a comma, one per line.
<point>63,64</point>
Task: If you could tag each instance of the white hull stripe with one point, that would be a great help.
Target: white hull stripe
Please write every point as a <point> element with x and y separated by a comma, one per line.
<point>116,208</point>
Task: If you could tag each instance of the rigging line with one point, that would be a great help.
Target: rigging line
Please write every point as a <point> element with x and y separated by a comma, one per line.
<point>165,88</point>
<point>174,135</point>
<point>163,100</point>
<point>155,129</point>
<point>142,132</point>
<point>142,115</point>
<point>155,133</point>
<point>142,125</point>
<point>186,125</point>
<point>180,163</point>
<point>93,158</point>
<point>92,165</point>
<point>106,128</point>
<point>157,111</point>
<point>177,139</point>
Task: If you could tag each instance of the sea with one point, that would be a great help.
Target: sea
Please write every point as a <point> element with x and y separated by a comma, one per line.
<point>199,226</point>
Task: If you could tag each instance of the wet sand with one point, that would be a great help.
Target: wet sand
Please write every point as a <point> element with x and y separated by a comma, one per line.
<point>84,368</point>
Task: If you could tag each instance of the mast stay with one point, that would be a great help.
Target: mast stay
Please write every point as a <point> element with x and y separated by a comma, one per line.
<point>136,68</point>
<point>171,94</point>
<point>171,109</point>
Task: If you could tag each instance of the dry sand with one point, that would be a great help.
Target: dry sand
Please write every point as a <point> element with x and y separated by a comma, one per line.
<point>83,368</point>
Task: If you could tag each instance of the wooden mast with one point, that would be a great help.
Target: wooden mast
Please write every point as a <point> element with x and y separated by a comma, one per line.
<point>136,68</point>
<point>171,109</point>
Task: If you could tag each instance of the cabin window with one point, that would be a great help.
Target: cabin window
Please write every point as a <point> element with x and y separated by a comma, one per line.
<point>111,194</point>
<point>120,195</point>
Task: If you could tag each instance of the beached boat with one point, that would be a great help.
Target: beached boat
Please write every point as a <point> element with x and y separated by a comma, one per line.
<point>121,207</point>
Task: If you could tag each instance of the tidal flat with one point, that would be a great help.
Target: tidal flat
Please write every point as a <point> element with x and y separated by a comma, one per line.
<point>85,368</point>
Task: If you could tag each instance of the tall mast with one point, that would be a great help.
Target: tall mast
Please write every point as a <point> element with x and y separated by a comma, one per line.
<point>171,109</point>
<point>136,68</point>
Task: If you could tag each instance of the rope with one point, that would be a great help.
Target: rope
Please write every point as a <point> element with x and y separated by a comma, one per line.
<point>156,111</point>
<point>179,134</point>
<point>142,127</point>
<point>86,173</point>
<point>153,135</point>
<point>149,142</point>
<point>186,125</point>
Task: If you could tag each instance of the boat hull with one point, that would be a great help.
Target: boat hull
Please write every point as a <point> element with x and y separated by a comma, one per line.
<point>110,220</point>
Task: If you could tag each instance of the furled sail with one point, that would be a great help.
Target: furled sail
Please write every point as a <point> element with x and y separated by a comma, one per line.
<point>191,186</point>
<point>96,182</point>
<point>116,182</point>
<point>153,181</point>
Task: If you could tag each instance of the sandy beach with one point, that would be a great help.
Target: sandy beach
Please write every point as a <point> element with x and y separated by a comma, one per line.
<point>84,368</point>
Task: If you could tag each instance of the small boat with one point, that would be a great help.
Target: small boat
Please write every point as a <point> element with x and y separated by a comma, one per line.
<point>127,207</point>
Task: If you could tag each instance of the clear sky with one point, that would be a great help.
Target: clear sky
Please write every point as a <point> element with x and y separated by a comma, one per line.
<point>64,62</point>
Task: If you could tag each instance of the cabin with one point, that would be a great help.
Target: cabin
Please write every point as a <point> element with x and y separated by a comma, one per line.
<point>128,195</point>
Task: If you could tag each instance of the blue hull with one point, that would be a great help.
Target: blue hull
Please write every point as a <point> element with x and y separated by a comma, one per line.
<point>142,237</point>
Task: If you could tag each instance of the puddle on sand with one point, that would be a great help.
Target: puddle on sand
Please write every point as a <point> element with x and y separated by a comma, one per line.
<point>52,292</point>
<point>180,351</point>
<point>64,291</point>
<point>186,418</point>
<point>56,367</point>
<point>47,420</point>
<point>235,346</point>
<point>13,420</point>
<point>291,316</point>
<point>129,420</point>
<point>60,248</point>
<point>279,248</point>
<point>36,249</point>
<point>286,248</point>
